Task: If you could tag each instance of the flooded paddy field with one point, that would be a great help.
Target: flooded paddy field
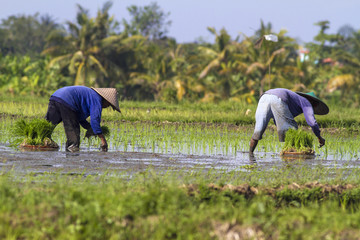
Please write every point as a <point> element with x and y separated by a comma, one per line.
<point>134,148</point>
<point>200,177</point>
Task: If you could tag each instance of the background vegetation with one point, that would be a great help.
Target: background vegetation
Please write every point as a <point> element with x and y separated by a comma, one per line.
<point>39,55</point>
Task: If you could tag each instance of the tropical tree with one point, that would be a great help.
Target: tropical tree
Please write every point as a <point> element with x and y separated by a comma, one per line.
<point>274,63</point>
<point>330,56</point>
<point>149,79</point>
<point>223,66</point>
<point>346,69</point>
<point>25,35</point>
<point>149,21</point>
<point>80,50</point>
<point>22,75</point>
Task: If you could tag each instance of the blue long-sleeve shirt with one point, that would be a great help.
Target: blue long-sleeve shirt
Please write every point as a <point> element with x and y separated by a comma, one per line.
<point>84,101</point>
<point>297,105</point>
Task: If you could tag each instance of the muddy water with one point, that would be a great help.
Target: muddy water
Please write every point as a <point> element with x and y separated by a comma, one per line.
<point>91,161</point>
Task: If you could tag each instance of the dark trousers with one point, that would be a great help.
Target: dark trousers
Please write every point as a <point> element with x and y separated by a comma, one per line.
<point>58,112</point>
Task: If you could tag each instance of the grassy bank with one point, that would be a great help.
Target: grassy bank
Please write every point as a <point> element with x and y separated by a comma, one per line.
<point>181,206</point>
<point>224,112</point>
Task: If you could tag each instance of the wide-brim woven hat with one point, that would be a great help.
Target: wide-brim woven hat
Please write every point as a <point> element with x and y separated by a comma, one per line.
<point>320,108</point>
<point>110,95</point>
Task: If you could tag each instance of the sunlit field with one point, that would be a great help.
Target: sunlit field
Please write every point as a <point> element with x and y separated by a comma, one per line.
<point>223,128</point>
<point>268,198</point>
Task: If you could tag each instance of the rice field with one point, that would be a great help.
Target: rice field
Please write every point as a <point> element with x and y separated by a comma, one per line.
<point>179,172</point>
<point>199,139</point>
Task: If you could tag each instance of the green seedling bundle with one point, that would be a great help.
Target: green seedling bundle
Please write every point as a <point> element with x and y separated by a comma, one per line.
<point>35,132</point>
<point>298,141</point>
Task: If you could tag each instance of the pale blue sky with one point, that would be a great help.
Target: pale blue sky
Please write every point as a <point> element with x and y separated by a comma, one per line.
<point>190,18</point>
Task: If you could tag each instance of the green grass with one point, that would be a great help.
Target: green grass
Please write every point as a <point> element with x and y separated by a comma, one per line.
<point>222,113</point>
<point>178,205</point>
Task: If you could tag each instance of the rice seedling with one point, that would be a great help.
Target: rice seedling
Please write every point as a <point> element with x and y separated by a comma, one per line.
<point>182,128</point>
<point>178,138</point>
<point>34,132</point>
<point>105,130</point>
<point>199,139</point>
<point>299,141</point>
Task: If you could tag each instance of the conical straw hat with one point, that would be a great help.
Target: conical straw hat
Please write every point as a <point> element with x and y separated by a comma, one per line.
<point>110,95</point>
<point>320,108</point>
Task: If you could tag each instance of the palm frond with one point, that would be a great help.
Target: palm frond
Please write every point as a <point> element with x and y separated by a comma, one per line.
<point>259,42</point>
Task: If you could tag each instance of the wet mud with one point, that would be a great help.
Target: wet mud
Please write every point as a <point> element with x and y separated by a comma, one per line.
<point>92,161</point>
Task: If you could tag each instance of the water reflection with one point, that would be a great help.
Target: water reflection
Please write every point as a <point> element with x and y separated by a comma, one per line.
<point>252,158</point>
<point>91,161</point>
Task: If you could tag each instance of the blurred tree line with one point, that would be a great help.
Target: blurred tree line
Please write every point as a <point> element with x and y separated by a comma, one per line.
<point>39,55</point>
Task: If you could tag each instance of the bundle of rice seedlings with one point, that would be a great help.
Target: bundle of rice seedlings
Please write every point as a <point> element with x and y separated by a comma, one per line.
<point>36,132</point>
<point>298,141</point>
<point>105,130</point>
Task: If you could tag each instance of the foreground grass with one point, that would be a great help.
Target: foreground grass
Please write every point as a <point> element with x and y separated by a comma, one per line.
<point>183,205</point>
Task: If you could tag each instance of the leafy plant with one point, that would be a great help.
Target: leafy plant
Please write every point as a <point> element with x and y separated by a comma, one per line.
<point>33,132</point>
<point>298,141</point>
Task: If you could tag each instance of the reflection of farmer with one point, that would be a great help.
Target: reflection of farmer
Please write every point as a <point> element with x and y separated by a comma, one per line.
<point>283,105</point>
<point>73,105</point>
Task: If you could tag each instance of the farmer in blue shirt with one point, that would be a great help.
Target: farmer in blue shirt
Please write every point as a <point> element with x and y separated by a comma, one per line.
<point>283,106</point>
<point>73,105</point>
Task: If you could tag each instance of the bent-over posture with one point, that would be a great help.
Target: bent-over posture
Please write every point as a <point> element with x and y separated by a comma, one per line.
<point>73,105</point>
<point>283,106</point>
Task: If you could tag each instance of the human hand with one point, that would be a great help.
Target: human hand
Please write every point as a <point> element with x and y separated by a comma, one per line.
<point>321,141</point>
<point>104,147</point>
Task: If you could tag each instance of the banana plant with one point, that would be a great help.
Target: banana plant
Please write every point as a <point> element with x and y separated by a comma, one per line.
<point>223,64</point>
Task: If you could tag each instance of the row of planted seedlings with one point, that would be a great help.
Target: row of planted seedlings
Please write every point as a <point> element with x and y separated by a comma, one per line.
<point>197,139</point>
<point>216,139</point>
<point>148,137</point>
<point>177,138</point>
<point>342,146</point>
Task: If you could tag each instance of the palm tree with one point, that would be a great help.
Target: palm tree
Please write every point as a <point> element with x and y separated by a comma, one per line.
<point>152,77</point>
<point>346,78</point>
<point>80,49</point>
<point>274,63</point>
<point>222,65</point>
